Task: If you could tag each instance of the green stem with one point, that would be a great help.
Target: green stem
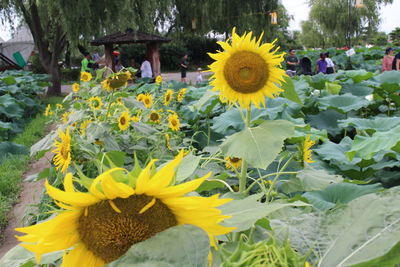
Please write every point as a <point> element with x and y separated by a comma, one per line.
<point>277,176</point>
<point>243,174</point>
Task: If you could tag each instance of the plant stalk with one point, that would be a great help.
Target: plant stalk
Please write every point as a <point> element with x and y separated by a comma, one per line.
<point>243,174</point>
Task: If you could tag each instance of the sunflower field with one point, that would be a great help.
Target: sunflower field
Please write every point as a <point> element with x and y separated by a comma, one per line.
<point>252,169</point>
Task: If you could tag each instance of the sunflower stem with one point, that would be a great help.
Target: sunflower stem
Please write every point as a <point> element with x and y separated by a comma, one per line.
<point>243,174</point>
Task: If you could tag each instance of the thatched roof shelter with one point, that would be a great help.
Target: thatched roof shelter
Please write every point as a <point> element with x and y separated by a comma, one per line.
<point>152,42</point>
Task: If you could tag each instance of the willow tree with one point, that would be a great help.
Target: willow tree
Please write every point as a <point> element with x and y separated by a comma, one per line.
<point>54,22</point>
<point>342,21</point>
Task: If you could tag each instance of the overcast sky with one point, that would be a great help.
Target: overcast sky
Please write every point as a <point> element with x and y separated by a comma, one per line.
<point>299,9</point>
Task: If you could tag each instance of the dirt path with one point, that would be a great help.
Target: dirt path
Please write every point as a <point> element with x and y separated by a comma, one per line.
<point>30,195</point>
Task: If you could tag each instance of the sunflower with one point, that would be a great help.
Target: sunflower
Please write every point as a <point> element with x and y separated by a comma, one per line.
<point>168,142</point>
<point>83,126</point>
<point>181,95</point>
<point>168,97</point>
<point>158,79</point>
<point>75,87</point>
<point>154,116</point>
<point>86,76</point>
<point>124,121</point>
<point>119,211</point>
<point>246,71</point>
<point>65,116</point>
<point>140,97</point>
<point>95,103</point>
<point>233,161</point>
<point>120,100</point>
<point>59,106</point>
<point>307,151</point>
<point>62,159</point>
<point>173,122</point>
<point>148,100</point>
<point>116,81</point>
<point>47,111</point>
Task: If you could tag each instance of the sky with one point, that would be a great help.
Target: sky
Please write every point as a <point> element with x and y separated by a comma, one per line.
<point>299,9</point>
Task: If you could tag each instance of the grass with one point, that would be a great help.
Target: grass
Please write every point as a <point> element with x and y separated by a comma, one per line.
<point>12,169</point>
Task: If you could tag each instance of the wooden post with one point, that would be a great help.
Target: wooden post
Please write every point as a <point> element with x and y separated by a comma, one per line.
<point>153,55</point>
<point>108,52</point>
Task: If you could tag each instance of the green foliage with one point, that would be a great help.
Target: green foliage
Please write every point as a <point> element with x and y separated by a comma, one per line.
<point>395,36</point>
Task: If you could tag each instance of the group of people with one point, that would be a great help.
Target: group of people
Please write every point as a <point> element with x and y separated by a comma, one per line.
<point>323,65</point>
<point>390,62</point>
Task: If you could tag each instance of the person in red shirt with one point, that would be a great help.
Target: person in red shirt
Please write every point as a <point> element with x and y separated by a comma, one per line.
<point>387,60</point>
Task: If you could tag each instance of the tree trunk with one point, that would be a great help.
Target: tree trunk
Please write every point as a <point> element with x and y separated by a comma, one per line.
<point>55,78</point>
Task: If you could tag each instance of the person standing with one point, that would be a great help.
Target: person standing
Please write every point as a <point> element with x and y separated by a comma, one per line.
<point>184,67</point>
<point>322,64</point>
<point>396,62</point>
<point>291,63</point>
<point>330,67</point>
<point>387,60</point>
<point>145,68</point>
<point>87,63</point>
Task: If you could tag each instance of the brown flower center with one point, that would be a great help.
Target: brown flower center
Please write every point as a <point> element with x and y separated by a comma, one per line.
<point>154,116</point>
<point>234,159</point>
<point>246,72</point>
<point>108,234</point>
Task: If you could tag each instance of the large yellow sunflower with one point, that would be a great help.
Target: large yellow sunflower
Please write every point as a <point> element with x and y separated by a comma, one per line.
<point>86,76</point>
<point>95,103</point>
<point>75,87</point>
<point>147,100</point>
<point>181,95</point>
<point>62,159</point>
<point>124,121</point>
<point>154,116</point>
<point>168,97</point>
<point>245,71</point>
<point>173,122</point>
<point>101,225</point>
<point>307,151</point>
<point>159,79</point>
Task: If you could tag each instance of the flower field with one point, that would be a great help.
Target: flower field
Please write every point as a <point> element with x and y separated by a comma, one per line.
<point>252,169</point>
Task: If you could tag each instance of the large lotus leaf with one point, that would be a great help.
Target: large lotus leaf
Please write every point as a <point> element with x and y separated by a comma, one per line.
<point>359,75</point>
<point>9,80</point>
<point>278,106</point>
<point>333,88</point>
<point>7,148</point>
<point>260,145</point>
<point>374,124</point>
<point>318,81</point>
<point>12,89</point>
<point>387,77</point>
<point>365,229</point>
<point>183,245</point>
<point>204,99</point>
<point>302,88</point>
<point>290,92</point>
<point>5,125</point>
<point>338,193</point>
<point>332,151</point>
<point>367,146</point>
<point>342,103</point>
<point>327,120</point>
<point>358,89</point>
<point>246,212</point>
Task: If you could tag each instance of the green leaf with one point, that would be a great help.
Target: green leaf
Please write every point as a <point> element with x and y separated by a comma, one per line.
<point>246,212</point>
<point>260,145</point>
<point>7,148</point>
<point>333,88</point>
<point>184,245</point>
<point>374,124</point>
<point>327,120</point>
<point>19,256</point>
<point>339,193</point>
<point>187,167</point>
<point>9,80</point>
<point>312,179</point>
<point>342,103</point>
<point>290,92</point>
<point>5,125</point>
<point>358,89</point>
<point>44,144</point>
<point>392,258</point>
<point>359,75</point>
<point>387,77</point>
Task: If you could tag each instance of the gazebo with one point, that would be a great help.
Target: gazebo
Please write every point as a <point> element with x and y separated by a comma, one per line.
<point>152,42</point>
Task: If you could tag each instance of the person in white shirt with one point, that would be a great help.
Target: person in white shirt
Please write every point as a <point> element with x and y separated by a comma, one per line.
<point>145,69</point>
<point>199,77</point>
<point>330,67</point>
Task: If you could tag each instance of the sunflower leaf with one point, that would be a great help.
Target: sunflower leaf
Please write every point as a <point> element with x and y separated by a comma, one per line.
<point>260,145</point>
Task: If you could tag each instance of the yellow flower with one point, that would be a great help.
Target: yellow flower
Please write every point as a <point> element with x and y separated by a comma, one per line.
<point>47,110</point>
<point>173,122</point>
<point>167,142</point>
<point>118,211</point>
<point>62,159</point>
<point>84,125</point>
<point>120,100</point>
<point>95,103</point>
<point>233,161</point>
<point>59,106</point>
<point>124,121</point>
<point>116,81</point>
<point>148,100</point>
<point>168,97</point>
<point>307,151</point>
<point>181,95</point>
<point>246,72</point>
<point>135,118</point>
<point>140,97</point>
<point>75,87</point>
<point>154,116</point>
<point>158,79</point>
<point>86,76</point>
<point>65,116</point>
<point>306,264</point>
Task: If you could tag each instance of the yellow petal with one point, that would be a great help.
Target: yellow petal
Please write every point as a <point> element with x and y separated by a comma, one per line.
<point>73,198</point>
